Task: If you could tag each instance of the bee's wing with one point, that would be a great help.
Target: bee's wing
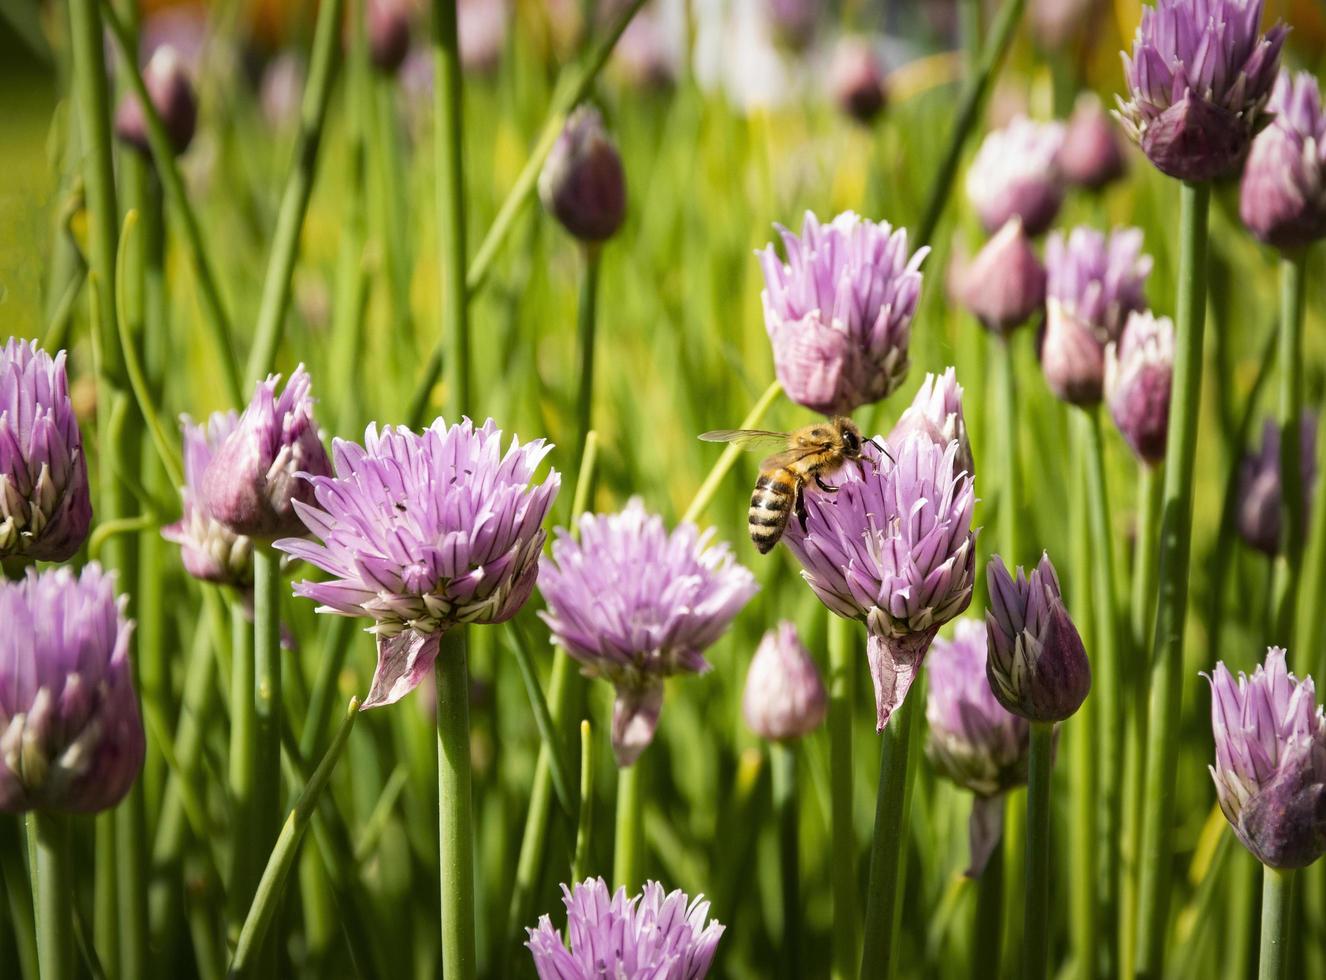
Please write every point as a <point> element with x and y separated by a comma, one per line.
<point>747,438</point>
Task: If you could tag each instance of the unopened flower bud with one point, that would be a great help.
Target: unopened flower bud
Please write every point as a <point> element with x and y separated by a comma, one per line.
<point>172,96</point>
<point>1004,286</point>
<point>1071,357</point>
<point>1260,494</point>
<point>1138,373</point>
<point>1037,666</point>
<point>1015,173</point>
<point>856,79</point>
<point>210,551</point>
<point>1091,155</point>
<point>784,696</point>
<point>582,184</point>
<point>936,413</point>
<point>388,28</point>
<point>1283,195</point>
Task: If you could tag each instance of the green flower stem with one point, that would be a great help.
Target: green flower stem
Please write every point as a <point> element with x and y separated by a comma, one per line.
<point>585,825</point>
<point>1277,888</point>
<point>455,818</point>
<point>570,89</point>
<point>18,892</point>
<point>543,720</point>
<point>783,767</point>
<point>879,953</point>
<point>843,651</point>
<point>1204,909</point>
<point>265,817</point>
<point>628,841</point>
<point>267,899</point>
<point>448,142</point>
<point>1015,844</point>
<point>105,905</point>
<point>729,456</point>
<point>1175,543</point>
<point>966,118</point>
<point>1142,607</point>
<point>1036,931</point>
<point>988,920</point>
<point>1005,408</point>
<point>244,870</point>
<point>1084,866</point>
<point>1289,567</point>
<point>589,290</point>
<point>1312,611</point>
<point>1107,659</point>
<point>48,842</point>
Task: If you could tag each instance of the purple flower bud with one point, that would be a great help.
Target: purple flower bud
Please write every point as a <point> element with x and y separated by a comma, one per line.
<point>388,27</point>
<point>893,547</point>
<point>1270,771</point>
<point>1015,173</point>
<point>1138,374</point>
<point>936,413</point>
<point>856,79</point>
<point>252,483</point>
<point>1072,357</point>
<point>45,508</point>
<point>635,604</point>
<point>1037,665</point>
<point>172,96</point>
<point>423,531</point>
<point>71,738</point>
<point>1283,196</point>
<point>1198,81</point>
<point>650,935</point>
<point>1091,156</point>
<point>839,311</point>
<point>211,552</point>
<point>1004,286</point>
<point>784,696</point>
<point>582,184</point>
<point>1258,516</point>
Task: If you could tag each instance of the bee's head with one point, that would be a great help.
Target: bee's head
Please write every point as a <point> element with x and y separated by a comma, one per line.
<point>850,436</point>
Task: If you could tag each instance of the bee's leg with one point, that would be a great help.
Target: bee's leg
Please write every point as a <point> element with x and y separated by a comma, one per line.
<point>819,481</point>
<point>800,505</point>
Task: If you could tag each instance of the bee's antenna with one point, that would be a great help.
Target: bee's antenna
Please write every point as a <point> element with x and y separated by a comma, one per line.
<point>883,448</point>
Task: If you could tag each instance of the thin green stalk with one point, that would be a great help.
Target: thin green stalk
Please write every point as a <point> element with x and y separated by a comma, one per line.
<point>1036,931</point>
<point>542,719</point>
<point>335,646</point>
<point>1166,695</point>
<point>265,817</point>
<point>585,825</point>
<point>969,108</point>
<point>1312,611</point>
<point>267,898</point>
<point>783,766</point>
<point>1015,845</point>
<point>842,843</point>
<point>1289,567</point>
<point>1277,889</point>
<point>1005,408</point>
<point>728,457</point>
<point>48,840</point>
<point>298,187</point>
<point>18,892</point>
<point>879,953</point>
<point>448,133</point>
<point>628,841</point>
<point>244,869</point>
<point>1204,911</point>
<point>988,920</point>
<point>589,290</point>
<point>455,818</point>
<point>570,89</point>
<point>1084,866</point>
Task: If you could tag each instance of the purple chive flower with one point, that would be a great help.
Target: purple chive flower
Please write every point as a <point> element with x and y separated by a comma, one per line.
<point>1093,282</point>
<point>211,552</point>
<point>1091,156</point>
<point>71,738</point>
<point>171,91</point>
<point>1260,503</point>
<point>1004,286</point>
<point>1270,771</point>
<point>1138,373</point>
<point>582,184</point>
<point>421,532</point>
<point>839,311</point>
<point>635,604</point>
<point>1015,173</point>
<point>973,741</point>
<point>650,936</point>
<point>1198,81</point>
<point>784,696</point>
<point>45,508</point>
<point>253,480</point>
<point>1283,195</point>
<point>936,412</point>
<point>388,27</point>
<point>893,547</point>
<point>856,79</point>
<point>1037,666</point>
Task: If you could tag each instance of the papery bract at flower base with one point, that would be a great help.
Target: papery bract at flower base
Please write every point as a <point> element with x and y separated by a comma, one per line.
<point>650,936</point>
<point>1138,374</point>
<point>45,507</point>
<point>254,479</point>
<point>839,311</point>
<point>635,604</point>
<point>1015,174</point>
<point>424,531</point>
<point>1091,156</point>
<point>1198,81</point>
<point>1282,197</point>
<point>1270,770</point>
<point>1037,666</point>
<point>211,552</point>
<point>784,696</point>
<point>71,738</point>
<point>1004,286</point>
<point>1260,496</point>
<point>936,412</point>
<point>894,548</point>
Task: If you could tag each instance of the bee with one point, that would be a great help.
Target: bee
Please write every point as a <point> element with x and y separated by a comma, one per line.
<point>808,453</point>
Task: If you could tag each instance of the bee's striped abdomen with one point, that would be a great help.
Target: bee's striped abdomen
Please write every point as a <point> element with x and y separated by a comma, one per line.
<point>770,505</point>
